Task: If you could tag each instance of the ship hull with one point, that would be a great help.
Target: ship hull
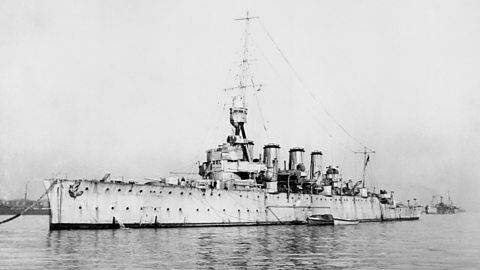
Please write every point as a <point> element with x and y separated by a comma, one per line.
<point>90,204</point>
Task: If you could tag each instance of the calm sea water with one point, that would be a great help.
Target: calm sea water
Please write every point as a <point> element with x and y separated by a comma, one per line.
<point>434,242</point>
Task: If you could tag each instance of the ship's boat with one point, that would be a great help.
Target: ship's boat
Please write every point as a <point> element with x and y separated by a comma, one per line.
<point>340,221</point>
<point>320,220</point>
<point>235,188</point>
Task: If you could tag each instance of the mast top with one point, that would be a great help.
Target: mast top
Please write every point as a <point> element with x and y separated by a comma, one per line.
<point>245,76</point>
<point>247,18</point>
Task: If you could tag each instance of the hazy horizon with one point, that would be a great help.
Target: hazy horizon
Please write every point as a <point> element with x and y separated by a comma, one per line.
<point>136,89</point>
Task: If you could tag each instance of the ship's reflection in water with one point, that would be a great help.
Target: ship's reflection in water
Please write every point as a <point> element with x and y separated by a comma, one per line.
<point>435,242</point>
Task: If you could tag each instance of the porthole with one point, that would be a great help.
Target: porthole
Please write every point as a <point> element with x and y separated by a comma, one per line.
<point>141,208</point>
<point>169,192</point>
<point>113,207</point>
<point>86,188</point>
<point>180,209</point>
<point>218,194</point>
<point>240,196</point>
<point>107,189</point>
<point>119,190</point>
<point>257,210</point>
<point>127,208</point>
<point>208,209</point>
<point>181,193</point>
<point>141,191</point>
<point>258,197</point>
<point>197,209</point>
<point>154,209</point>
<point>129,190</point>
<point>80,207</point>
<point>96,208</point>
<point>248,210</point>
<point>168,209</point>
<point>190,193</point>
<point>238,210</point>
<point>223,210</point>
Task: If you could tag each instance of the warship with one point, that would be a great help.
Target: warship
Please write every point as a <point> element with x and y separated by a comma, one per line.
<point>441,207</point>
<point>235,187</point>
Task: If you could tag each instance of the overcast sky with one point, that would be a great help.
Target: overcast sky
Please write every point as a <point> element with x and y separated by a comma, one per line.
<point>135,88</point>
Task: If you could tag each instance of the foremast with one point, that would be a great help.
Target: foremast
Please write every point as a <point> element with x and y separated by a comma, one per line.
<point>232,163</point>
<point>238,111</point>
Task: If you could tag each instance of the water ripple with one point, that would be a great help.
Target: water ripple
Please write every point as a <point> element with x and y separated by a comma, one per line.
<point>435,242</point>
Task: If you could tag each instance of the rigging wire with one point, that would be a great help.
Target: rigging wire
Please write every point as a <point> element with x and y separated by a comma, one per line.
<point>307,89</point>
<point>261,115</point>
<point>308,108</point>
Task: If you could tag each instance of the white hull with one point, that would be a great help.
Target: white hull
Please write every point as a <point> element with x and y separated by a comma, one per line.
<point>95,204</point>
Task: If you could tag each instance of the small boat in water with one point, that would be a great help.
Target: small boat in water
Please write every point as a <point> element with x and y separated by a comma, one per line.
<point>328,219</point>
<point>339,221</point>
<point>320,220</point>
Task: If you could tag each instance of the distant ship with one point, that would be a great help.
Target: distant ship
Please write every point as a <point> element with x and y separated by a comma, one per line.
<point>13,207</point>
<point>236,188</point>
<point>441,207</point>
